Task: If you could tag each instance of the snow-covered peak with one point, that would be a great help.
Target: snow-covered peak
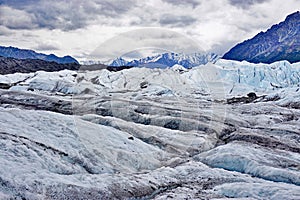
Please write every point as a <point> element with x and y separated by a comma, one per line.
<point>178,68</point>
<point>118,62</point>
<point>168,60</point>
<point>90,62</point>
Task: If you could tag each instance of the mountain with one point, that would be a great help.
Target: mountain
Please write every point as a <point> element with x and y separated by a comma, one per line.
<point>13,65</point>
<point>280,42</point>
<point>90,62</point>
<point>168,60</point>
<point>119,62</point>
<point>13,52</point>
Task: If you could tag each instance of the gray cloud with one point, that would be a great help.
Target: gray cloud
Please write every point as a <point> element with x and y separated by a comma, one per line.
<point>16,19</point>
<point>245,3</point>
<point>65,15</point>
<point>193,3</point>
<point>61,15</point>
<point>175,20</point>
<point>5,31</point>
<point>115,7</point>
<point>18,3</point>
<point>46,47</point>
<point>223,47</point>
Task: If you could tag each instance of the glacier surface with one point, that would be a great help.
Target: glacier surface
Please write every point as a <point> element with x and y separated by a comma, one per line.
<point>144,133</point>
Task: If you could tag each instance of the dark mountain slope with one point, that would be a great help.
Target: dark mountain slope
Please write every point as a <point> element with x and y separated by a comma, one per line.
<point>13,52</point>
<point>280,42</point>
<point>12,65</point>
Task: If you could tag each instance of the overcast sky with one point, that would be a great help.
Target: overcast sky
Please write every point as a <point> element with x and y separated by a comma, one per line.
<point>78,27</point>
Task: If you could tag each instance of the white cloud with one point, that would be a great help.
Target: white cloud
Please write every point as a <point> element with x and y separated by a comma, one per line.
<point>4,31</point>
<point>154,39</point>
<point>48,45</point>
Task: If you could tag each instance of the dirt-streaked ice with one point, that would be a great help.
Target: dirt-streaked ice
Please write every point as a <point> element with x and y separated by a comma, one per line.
<point>152,133</point>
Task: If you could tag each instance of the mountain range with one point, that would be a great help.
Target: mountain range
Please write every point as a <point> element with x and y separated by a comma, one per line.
<point>13,65</point>
<point>13,52</point>
<point>168,60</point>
<point>280,42</point>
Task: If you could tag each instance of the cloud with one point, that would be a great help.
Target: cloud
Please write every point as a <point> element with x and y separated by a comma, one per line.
<point>115,8</point>
<point>65,15</point>
<point>4,31</point>
<point>18,3</point>
<point>145,40</point>
<point>174,20</point>
<point>245,3</point>
<point>47,46</point>
<point>16,19</point>
<point>80,26</point>
<point>193,3</point>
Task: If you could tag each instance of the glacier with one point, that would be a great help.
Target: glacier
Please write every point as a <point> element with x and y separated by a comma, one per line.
<point>152,133</point>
